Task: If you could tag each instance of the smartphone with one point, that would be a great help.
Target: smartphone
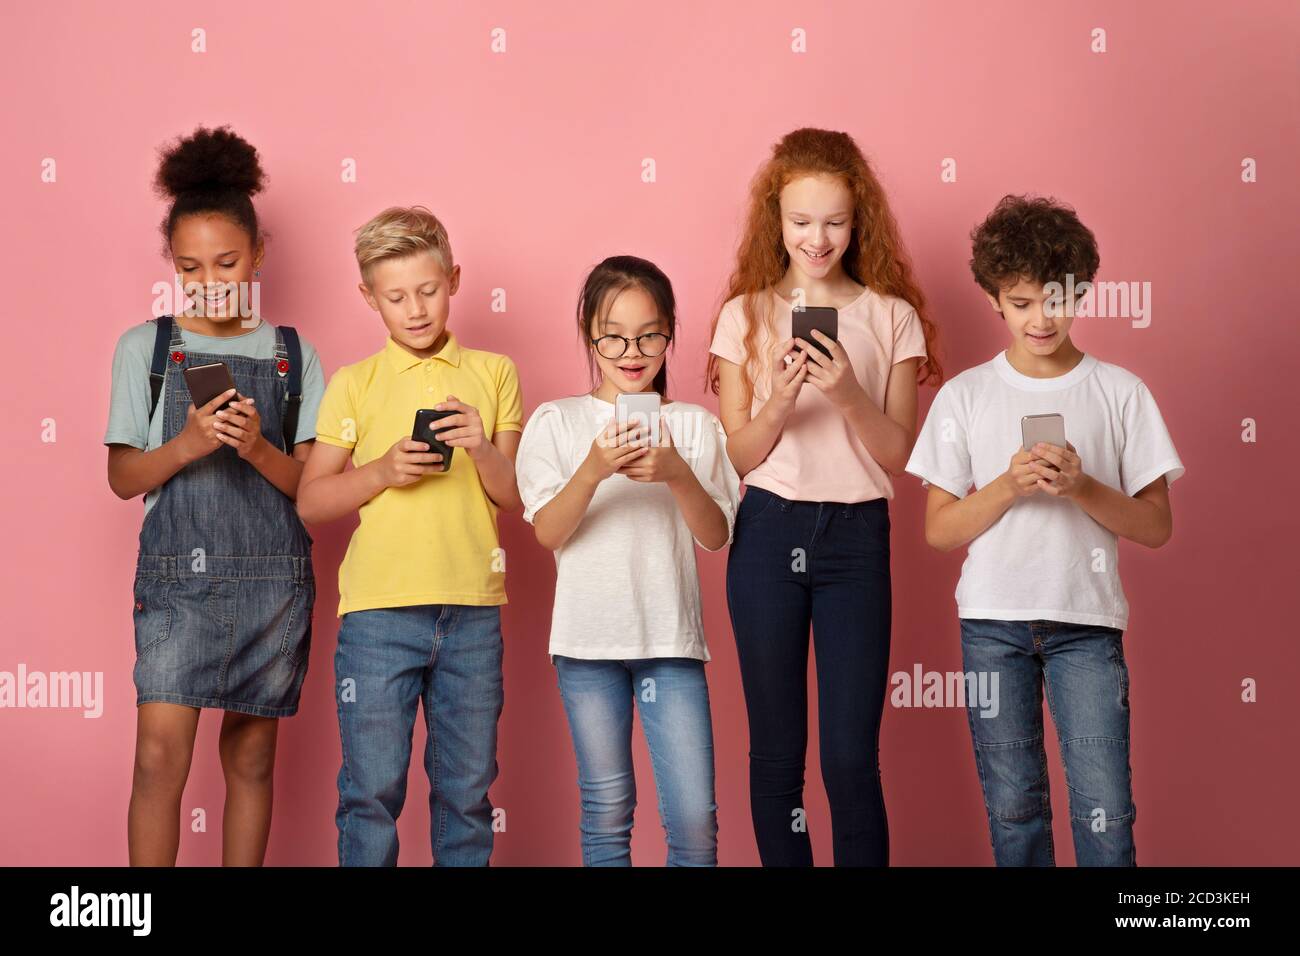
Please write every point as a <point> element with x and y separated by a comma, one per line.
<point>640,408</point>
<point>1048,428</point>
<point>423,430</point>
<point>823,318</point>
<point>206,382</point>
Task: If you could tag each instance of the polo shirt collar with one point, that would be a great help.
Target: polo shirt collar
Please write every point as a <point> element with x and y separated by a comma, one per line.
<point>401,359</point>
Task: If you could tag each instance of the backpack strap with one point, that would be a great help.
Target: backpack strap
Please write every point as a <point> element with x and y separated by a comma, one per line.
<point>289,350</point>
<point>162,341</point>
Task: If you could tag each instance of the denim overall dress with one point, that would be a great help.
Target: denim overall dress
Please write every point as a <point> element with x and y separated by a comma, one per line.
<point>224,588</point>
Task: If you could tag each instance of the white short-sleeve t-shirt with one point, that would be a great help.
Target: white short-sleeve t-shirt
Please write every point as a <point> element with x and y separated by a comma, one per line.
<point>1045,558</point>
<point>626,585</point>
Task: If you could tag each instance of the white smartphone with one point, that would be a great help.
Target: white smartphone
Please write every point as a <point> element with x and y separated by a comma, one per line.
<point>641,408</point>
<point>1048,428</point>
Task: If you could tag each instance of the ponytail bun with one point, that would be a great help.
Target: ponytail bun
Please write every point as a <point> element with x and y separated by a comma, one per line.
<point>210,171</point>
<point>210,161</point>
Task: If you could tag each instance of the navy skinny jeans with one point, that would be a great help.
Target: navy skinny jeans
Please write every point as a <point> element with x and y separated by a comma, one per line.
<point>794,564</point>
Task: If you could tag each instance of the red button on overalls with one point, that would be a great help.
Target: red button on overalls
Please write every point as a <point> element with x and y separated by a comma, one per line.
<point>178,357</point>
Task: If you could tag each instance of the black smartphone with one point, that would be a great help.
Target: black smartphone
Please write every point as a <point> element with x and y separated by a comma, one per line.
<point>206,382</point>
<point>423,430</point>
<point>824,318</point>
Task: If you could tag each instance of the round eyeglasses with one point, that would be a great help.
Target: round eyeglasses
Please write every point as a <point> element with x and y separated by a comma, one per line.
<point>615,346</point>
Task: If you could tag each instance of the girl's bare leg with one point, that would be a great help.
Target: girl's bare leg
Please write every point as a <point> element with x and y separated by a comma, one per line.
<point>164,748</point>
<point>248,761</point>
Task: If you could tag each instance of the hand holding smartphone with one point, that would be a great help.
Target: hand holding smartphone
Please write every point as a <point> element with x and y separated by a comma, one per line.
<point>641,408</point>
<point>206,382</point>
<point>424,428</point>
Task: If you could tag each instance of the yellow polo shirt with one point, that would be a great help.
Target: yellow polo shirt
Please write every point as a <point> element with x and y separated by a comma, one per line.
<point>434,541</point>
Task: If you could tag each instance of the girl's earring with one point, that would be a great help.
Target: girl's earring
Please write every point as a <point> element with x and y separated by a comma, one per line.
<point>257,273</point>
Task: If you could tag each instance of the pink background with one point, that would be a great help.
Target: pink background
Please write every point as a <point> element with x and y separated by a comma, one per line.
<point>532,159</point>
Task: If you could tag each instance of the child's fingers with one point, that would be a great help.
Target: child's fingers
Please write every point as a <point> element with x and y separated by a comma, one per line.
<point>422,458</point>
<point>631,454</point>
<point>451,434</point>
<point>450,421</point>
<point>817,372</point>
<point>410,444</point>
<point>813,352</point>
<point>211,406</point>
<point>1051,453</point>
<point>795,373</point>
<point>627,434</point>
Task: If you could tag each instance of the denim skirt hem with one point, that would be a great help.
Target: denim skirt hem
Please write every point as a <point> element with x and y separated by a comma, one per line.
<point>238,707</point>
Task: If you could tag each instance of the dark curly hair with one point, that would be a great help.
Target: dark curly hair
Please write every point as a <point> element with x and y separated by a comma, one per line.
<point>211,170</point>
<point>1029,237</point>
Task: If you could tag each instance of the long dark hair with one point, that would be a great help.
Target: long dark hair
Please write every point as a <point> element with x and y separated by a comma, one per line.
<point>211,170</point>
<point>604,283</point>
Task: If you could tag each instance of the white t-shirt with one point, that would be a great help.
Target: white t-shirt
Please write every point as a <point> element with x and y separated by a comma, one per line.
<point>626,585</point>
<point>1045,558</point>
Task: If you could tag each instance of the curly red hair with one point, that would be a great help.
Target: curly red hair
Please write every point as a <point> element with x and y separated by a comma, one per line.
<point>874,258</point>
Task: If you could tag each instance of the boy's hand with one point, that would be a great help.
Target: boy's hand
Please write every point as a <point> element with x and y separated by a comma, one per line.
<point>1020,477</point>
<point>462,430</point>
<point>199,438</point>
<point>407,462</point>
<point>613,448</point>
<point>833,374</point>
<point>660,462</point>
<point>1063,474</point>
<point>240,426</point>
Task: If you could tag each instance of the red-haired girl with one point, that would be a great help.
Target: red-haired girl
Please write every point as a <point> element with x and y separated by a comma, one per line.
<point>816,429</point>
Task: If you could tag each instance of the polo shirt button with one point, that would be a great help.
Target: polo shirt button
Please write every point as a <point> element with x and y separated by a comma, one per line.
<point>429,389</point>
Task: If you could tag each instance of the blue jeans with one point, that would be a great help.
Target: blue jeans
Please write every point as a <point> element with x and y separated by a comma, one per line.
<point>794,564</point>
<point>388,662</point>
<point>673,700</point>
<point>1083,671</point>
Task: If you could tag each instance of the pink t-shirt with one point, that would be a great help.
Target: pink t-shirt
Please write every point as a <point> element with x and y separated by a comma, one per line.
<point>818,456</point>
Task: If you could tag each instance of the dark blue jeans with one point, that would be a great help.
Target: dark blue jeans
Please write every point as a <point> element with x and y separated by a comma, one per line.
<point>1082,669</point>
<point>794,564</point>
